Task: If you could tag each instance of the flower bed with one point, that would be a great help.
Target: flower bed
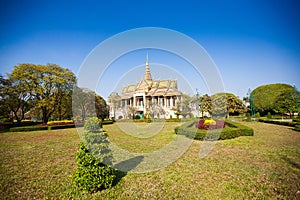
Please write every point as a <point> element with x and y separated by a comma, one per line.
<point>232,130</point>
<point>210,124</point>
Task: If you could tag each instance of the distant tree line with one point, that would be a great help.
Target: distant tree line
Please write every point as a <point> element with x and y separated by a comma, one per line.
<point>45,92</point>
<point>219,104</point>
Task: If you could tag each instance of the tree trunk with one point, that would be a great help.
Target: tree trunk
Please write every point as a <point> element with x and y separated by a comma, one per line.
<point>45,115</point>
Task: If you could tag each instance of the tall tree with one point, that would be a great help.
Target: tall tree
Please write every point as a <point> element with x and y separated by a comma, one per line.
<point>46,84</point>
<point>265,96</point>
<point>286,102</point>
<point>83,103</point>
<point>14,98</point>
<point>205,104</point>
<point>102,109</point>
<point>185,105</point>
<point>226,104</point>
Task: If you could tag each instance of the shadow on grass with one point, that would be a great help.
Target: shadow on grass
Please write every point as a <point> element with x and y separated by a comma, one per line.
<point>291,162</point>
<point>125,166</point>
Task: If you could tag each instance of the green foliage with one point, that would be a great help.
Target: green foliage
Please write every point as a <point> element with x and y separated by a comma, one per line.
<point>296,120</point>
<point>232,130</point>
<point>286,102</point>
<point>266,97</point>
<point>107,122</point>
<point>257,115</point>
<point>91,175</point>
<point>137,117</point>
<point>47,86</point>
<point>205,104</point>
<point>94,157</point>
<point>284,123</point>
<point>93,125</point>
<point>269,116</point>
<point>248,117</point>
<point>297,128</point>
<point>28,128</point>
<point>14,98</point>
<point>226,104</point>
<point>37,128</point>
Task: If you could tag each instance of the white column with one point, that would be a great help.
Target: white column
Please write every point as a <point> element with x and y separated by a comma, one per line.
<point>171,102</point>
<point>144,103</point>
<point>134,101</point>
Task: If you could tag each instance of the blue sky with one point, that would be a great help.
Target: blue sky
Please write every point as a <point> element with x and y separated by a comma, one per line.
<point>251,42</point>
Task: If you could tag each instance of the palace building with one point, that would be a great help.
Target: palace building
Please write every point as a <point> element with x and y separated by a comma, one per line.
<point>154,98</point>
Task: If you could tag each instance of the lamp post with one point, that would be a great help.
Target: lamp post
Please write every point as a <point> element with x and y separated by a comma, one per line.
<point>251,101</point>
<point>198,103</point>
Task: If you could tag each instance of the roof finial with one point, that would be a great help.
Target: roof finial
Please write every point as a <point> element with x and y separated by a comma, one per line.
<point>147,64</point>
<point>147,75</point>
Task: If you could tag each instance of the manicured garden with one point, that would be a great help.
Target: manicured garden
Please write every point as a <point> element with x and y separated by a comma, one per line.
<point>211,129</point>
<point>39,164</point>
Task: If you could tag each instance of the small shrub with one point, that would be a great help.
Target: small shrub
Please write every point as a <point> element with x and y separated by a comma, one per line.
<point>248,117</point>
<point>93,125</point>
<point>257,115</point>
<point>297,128</point>
<point>94,157</point>
<point>269,116</point>
<point>137,117</point>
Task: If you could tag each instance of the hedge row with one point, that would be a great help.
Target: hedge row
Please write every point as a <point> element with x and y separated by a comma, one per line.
<point>284,123</point>
<point>297,128</point>
<point>107,122</point>
<point>37,128</point>
<point>232,130</point>
<point>296,120</point>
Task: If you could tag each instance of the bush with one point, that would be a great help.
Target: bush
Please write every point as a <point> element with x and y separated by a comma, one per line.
<point>137,117</point>
<point>297,128</point>
<point>93,125</point>
<point>257,115</point>
<point>94,157</point>
<point>284,123</point>
<point>269,116</point>
<point>248,117</point>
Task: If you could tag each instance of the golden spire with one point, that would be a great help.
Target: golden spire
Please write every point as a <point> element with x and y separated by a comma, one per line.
<point>147,75</point>
<point>147,64</point>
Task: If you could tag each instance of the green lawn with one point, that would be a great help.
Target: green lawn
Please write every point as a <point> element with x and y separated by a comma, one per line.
<point>266,166</point>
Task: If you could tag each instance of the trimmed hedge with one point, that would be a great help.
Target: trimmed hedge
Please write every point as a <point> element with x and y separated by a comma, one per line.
<point>53,127</point>
<point>283,123</point>
<point>107,122</point>
<point>28,128</point>
<point>232,130</point>
<point>297,128</point>
<point>39,128</point>
<point>296,120</point>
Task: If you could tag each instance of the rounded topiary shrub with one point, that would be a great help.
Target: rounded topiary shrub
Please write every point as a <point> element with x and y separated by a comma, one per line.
<point>94,159</point>
<point>137,117</point>
<point>93,125</point>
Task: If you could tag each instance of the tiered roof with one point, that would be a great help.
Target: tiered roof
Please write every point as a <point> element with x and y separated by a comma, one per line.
<point>151,87</point>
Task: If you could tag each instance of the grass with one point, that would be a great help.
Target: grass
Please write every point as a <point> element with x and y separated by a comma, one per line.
<point>38,165</point>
